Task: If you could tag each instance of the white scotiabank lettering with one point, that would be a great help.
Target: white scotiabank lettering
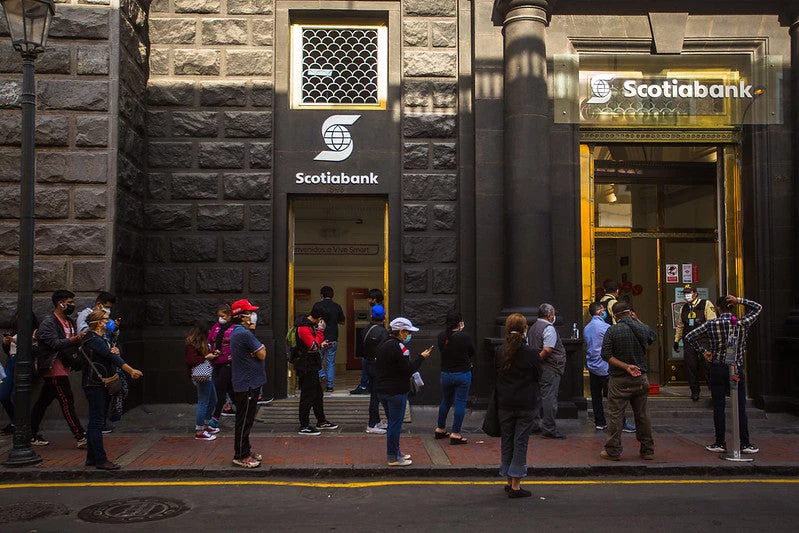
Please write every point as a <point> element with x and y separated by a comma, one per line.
<point>336,179</point>
<point>674,89</point>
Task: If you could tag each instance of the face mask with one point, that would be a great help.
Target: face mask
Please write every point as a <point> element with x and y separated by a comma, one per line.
<point>110,326</point>
<point>407,339</point>
<point>463,326</point>
<point>69,309</point>
<point>605,315</point>
<point>222,320</point>
<point>253,318</point>
<point>107,310</point>
<point>688,297</point>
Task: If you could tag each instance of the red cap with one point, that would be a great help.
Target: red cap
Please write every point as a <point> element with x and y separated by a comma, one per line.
<point>240,306</point>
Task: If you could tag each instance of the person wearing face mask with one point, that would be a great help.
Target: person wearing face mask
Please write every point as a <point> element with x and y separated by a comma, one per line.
<point>394,371</point>
<point>104,301</point>
<point>102,363</point>
<point>693,314</point>
<point>544,338</point>
<point>457,352</point>
<point>310,341</point>
<point>219,343</point>
<point>57,334</point>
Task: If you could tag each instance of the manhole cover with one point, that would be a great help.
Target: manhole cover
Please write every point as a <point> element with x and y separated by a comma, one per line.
<point>133,510</point>
<point>18,512</point>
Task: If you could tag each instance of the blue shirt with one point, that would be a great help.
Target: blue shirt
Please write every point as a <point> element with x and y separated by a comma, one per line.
<point>248,370</point>
<point>594,333</point>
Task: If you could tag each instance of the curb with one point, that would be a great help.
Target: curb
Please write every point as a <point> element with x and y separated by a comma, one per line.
<point>311,472</point>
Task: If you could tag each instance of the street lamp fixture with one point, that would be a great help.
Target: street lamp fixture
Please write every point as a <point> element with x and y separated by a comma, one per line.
<point>28,23</point>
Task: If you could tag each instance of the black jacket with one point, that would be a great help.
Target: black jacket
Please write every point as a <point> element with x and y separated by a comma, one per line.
<point>457,351</point>
<point>394,370</point>
<point>373,336</point>
<point>51,340</point>
<point>517,386</point>
<point>309,357</point>
<point>99,353</point>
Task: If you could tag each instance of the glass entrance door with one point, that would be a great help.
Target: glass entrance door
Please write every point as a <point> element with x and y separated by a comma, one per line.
<point>651,220</point>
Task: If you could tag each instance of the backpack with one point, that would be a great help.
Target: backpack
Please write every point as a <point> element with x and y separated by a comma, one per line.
<point>292,349</point>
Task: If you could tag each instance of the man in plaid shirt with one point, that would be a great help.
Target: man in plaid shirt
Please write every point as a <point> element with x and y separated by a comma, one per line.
<point>711,340</point>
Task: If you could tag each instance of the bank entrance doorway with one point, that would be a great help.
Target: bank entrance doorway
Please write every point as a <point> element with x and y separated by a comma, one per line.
<point>340,242</point>
<point>656,217</point>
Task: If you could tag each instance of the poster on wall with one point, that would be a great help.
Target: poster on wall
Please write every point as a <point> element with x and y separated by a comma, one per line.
<point>687,273</point>
<point>672,273</point>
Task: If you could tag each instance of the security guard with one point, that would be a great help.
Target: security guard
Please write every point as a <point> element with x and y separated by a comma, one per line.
<point>695,312</point>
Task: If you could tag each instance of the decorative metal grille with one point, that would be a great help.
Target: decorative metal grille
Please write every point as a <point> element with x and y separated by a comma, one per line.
<point>339,65</point>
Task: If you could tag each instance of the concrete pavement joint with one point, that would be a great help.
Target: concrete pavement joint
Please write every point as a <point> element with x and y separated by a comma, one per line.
<point>138,449</point>
<point>437,455</point>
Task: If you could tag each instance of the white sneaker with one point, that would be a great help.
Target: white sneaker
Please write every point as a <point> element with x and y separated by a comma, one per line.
<point>382,424</point>
<point>401,462</point>
<point>375,430</point>
<point>405,456</point>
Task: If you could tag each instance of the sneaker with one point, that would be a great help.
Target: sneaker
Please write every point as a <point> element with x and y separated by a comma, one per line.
<point>375,430</point>
<point>601,427</point>
<point>521,493</point>
<point>247,462</point>
<point>327,425</point>
<point>213,423</point>
<point>749,449</point>
<point>107,429</point>
<point>204,435</point>
<point>228,411</point>
<point>404,456</point>
<point>211,431</point>
<point>400,462</point>
<point>359,390</point>
<point>628,428</point>
<point>329,389</point>
<point>264,401</point>
<point>716,447</point>
<point>647,456</point>
<point>309,430</point>
<point>8,430</point>
<point>38,440</point>
<point>382,424</point>
<point>605,455</point>
<point>81,443</point>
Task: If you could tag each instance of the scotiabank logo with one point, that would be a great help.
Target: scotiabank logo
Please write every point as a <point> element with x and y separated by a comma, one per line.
<point>600,88</point>
<point>337,138</point>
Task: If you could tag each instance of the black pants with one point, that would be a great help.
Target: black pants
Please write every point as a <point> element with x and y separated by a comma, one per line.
<point>223,383</point>
<point>694,367</point>
<point>246,407</point>
<point>60,389</point>
<point>599,389</point>
<point>310,396</point>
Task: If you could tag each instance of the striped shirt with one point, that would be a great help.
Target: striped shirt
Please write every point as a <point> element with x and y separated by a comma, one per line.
<point>712,335</point>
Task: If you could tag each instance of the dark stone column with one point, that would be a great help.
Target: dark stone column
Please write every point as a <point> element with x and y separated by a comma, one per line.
<point>528,279</point>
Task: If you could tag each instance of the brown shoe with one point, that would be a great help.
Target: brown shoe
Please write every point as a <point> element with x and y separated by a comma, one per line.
<point>605,455</point>
<point>647,456</point>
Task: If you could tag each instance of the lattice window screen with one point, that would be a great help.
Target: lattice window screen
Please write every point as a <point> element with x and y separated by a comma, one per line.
<point>340,65</point>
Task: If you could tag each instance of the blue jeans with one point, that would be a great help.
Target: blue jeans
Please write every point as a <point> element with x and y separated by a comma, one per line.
<point>515,426</point>
<point>365,381</point>
<point>97,398</point>
<point>454,389</point>
<point>394,406</point>
<point>7,388</point>
<point>329,362</point>
<point>719,388</point>
<point>206,402</point>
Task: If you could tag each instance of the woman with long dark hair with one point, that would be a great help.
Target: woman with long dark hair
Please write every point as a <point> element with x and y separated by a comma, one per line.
<point>518,371</point>
<point>457,351</point>
<point>197,354</point>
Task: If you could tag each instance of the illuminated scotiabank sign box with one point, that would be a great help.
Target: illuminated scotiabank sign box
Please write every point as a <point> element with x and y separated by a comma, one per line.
<point>698,91</point>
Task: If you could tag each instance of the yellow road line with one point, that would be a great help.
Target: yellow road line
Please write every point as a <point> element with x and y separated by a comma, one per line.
<point>387,483</point>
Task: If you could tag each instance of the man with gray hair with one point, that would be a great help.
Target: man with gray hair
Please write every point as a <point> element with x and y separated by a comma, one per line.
<point>544,339</point>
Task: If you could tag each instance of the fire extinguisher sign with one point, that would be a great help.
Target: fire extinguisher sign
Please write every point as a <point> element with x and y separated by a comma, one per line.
<point>672,273</point>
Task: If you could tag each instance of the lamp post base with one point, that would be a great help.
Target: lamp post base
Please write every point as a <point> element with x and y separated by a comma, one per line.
<point>22,457</point>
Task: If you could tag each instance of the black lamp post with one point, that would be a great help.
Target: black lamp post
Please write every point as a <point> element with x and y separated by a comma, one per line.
<point>28,22</point>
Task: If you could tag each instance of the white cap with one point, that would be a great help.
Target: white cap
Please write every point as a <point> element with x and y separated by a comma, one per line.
<point>401,323</point>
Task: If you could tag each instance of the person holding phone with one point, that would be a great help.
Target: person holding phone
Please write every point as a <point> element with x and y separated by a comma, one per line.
<point>457,352</point>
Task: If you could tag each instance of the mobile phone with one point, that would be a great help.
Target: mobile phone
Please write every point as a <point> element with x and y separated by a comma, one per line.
<point>431,347</point>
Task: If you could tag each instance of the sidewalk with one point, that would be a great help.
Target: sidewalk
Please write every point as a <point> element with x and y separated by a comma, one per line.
<point>158,442</point>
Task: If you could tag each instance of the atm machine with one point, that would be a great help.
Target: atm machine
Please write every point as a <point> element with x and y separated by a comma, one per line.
<point>358,310</point>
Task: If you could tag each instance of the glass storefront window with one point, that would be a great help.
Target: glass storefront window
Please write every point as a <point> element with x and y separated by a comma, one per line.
<point>689,207</point>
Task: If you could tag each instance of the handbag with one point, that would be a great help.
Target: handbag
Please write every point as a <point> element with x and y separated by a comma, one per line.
<point>112,384</point>
<point>202,372</point>
<point>491,425</point>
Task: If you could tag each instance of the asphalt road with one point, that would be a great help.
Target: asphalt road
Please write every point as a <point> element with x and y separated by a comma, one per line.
<point>477,505</point>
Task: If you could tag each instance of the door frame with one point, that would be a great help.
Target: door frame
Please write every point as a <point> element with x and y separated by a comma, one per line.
<point>729,220</point>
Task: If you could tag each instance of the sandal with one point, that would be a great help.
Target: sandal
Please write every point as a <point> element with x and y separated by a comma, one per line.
<point>458,440</point>
<point>440,435</point>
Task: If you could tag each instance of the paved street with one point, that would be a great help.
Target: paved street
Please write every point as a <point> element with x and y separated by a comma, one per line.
<point>474,504</point>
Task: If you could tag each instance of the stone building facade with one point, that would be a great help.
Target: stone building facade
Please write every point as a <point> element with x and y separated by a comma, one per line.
<point>169,137</point>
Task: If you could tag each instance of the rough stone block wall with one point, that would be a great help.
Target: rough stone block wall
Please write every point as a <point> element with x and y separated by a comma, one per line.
<point>209,130</point>
<point>429,181</point>
<point>73,154</point>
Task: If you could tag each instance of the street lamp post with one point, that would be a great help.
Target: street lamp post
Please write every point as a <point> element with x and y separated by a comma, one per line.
<point>28,22</point>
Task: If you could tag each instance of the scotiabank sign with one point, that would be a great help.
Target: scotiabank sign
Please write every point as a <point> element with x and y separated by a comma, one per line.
<point>666,91</point>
